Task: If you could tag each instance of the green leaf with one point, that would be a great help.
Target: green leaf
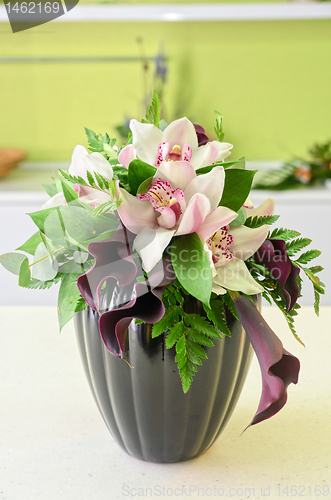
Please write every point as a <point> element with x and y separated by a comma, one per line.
<point>255,222</point>
<point>24,273</point>
<point>40,216</point>
<point>296,245</point>
<point>68,298</point>
<point>138,172</point>
<point>174,333</point>
<point>200,338</point>
<point>237,186</point>
<point>68,192</point>
<point>81,305</point>
<point>200,324</point>
<point>219,126</point>
<point>192,267</point>
<point>12,261</point>
<point>153,114</point>
<point>316,269</point>
<point>228,302</point>
<point>225,164</point>
<point>308,256</point>
<point>317,283</point>
<point>170,317</point>
<point>216,314</point>
<point>121,174</point>
<point>71,178</point>
<point>31,244</point>
<point>51,189</point>
<point>283,234</point>
<point>317,303</point>
<point>94,141</point>
<point>185,366</point>
<point>240,219</point>
<point>43,269</point>
<point>144,186</point>
<point>197,349</point>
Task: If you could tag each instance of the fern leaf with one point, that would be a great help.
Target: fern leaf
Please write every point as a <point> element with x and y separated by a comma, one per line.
<point>174,334</point>
<point>255,222</point>
<point>308,256</point>
<point>296,245</point>
<point>170,317</point>
<point>284,234</point>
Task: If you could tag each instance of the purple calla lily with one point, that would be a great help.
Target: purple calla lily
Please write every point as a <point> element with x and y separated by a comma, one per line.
<point>114,258</point>
<point>201,135</point>
<point>278,367</point>
<point>273,256</point>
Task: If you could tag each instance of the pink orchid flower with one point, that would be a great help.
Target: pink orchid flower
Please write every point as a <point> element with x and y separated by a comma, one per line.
<point>178,142</point>
<point>229,247</point>
<point>167,210</point>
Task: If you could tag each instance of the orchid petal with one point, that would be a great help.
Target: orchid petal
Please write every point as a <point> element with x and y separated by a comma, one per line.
<point>219,217</point>
<point>246,240</point>
<point>210,184</point>
<point>265,208</point>
<point>92,196</point>
<point>127,155</point>
<point>196,211</point>
<point>181,132</point>
<point>179,173</point>
<point>150,244</point>
<point>146,139</point>
<point>278,367</point>
<point>204,156</point>
<point>234,275</point>
<point>82,161</point>
<point>223,150</point>
<point>219,290</point>
<point>167,218</point>
<point>135,214</point>
<point>56,201</point>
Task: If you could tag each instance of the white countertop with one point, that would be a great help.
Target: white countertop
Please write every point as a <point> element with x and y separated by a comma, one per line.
<point>55,446</point>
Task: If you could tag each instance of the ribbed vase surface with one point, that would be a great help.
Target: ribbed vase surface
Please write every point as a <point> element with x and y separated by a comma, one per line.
<point>144,407</point>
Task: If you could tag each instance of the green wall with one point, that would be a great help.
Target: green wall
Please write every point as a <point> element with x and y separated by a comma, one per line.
<point>271,80</point>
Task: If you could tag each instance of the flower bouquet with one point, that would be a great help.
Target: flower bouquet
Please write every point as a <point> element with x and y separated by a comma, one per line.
<point>158,244</point>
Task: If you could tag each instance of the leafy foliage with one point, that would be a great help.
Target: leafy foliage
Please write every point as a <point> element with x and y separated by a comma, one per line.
<point>255,222</point>
<point>154,111</point>
<point>219,126</point>
<point>189,332</point>
<point>102,144</point>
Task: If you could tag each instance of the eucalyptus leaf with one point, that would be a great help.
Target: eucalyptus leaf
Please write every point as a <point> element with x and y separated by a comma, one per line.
<point>42,268</point>
<point>25,273</point>
<point>144,186</point>
<point>192,266</point>
<point>12,261</point>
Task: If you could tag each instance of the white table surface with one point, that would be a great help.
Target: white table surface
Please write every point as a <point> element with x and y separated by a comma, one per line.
<point>55,446</point>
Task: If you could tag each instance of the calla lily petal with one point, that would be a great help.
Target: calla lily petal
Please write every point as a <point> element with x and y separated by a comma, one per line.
<point>145,305</point>
<point>196,211</point>
<point>127,155</point>
<point>179,173</point>
<point>210,184</point>
<point>181,132</point>
<point>279,368</point>
<point>146,139</point>
<point>135,214</point>
<point>150,245</point>
<point>234,275</point>
<point>246,240</point>
<point>219,217</point>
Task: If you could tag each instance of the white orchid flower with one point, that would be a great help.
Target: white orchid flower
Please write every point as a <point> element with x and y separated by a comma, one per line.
<point>166,210</point>
<point>82,161</point>
<point>229,247</point>
<point>178,142</point>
